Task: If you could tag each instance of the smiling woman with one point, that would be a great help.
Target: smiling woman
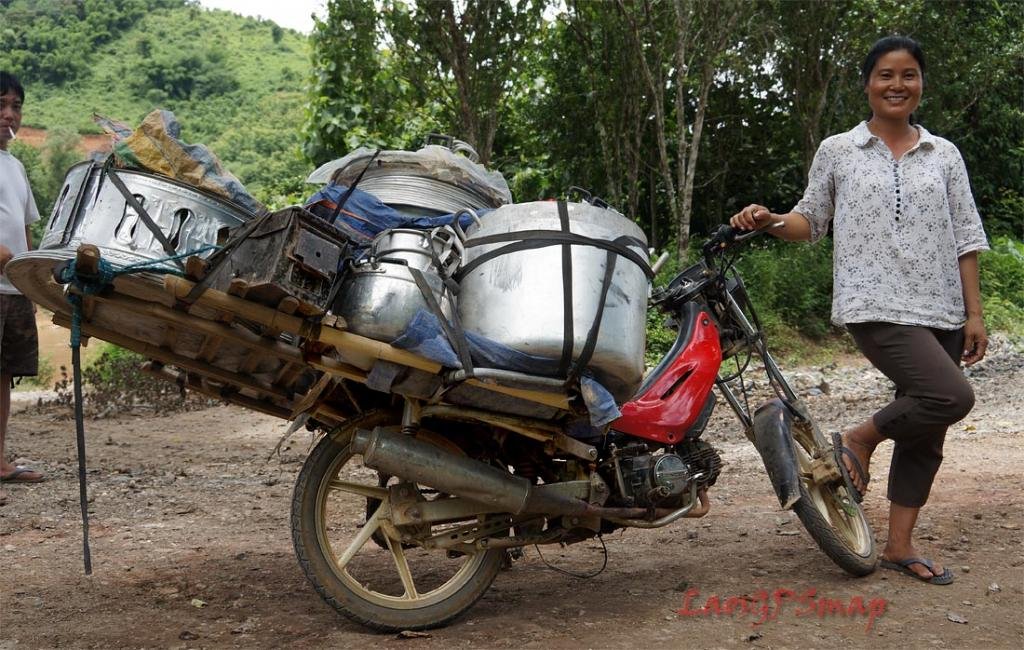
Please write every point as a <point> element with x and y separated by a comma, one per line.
<point>894,86</point>
<point>905,282</point>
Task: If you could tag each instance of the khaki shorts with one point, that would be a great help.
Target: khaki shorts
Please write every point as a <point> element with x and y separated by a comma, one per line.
<point>19,345</point>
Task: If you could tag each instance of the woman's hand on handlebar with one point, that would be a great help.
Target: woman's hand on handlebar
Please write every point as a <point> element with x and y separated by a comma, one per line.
<point>753,217</point>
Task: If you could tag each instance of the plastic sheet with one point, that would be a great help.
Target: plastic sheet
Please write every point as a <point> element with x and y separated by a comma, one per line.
<point>433,161</point>
<point>425,337</point>
<point>156,147</point>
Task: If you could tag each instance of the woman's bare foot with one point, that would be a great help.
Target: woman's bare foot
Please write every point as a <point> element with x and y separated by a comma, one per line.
<point>862,451</point>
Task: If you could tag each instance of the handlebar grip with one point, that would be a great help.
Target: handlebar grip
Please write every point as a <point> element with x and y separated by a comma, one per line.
<point>727,233</point>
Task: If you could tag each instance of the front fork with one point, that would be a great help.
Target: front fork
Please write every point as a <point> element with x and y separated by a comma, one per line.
<point>777,427</point>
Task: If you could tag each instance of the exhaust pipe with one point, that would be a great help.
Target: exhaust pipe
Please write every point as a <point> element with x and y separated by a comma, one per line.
<point>401,455</point>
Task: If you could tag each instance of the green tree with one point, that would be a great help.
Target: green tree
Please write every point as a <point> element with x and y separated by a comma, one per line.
<point>355,96</point>
<point>465,55</point>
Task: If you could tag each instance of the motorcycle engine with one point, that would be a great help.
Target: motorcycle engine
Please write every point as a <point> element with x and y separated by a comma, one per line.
<point>663,480</point>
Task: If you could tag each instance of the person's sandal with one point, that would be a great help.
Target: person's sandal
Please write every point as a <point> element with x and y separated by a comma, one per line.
<point>20,475</point>
<point>903,566</point>
<point>840,450</point>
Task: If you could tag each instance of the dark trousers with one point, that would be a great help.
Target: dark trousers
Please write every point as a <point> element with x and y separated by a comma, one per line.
<point>931,394</point>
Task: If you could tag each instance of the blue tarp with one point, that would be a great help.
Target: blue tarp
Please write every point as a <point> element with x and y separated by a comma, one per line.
<point>426,337</point>
<point>365,216</point>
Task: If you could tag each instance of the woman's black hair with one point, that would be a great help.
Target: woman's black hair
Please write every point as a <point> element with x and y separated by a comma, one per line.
<point>890,44</point>
<point>9,82</point>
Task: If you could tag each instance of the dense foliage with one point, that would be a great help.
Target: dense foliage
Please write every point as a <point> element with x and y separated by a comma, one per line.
<point>116,386</point>
<point>676,111</point>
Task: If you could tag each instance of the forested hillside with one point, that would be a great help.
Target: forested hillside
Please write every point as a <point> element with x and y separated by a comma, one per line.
<point>235,83</point>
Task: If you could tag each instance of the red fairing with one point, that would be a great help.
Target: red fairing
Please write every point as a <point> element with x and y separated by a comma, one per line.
<point>670,406</point>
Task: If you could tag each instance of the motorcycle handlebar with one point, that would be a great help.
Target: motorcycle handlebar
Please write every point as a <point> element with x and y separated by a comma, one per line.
<point>727,236</point>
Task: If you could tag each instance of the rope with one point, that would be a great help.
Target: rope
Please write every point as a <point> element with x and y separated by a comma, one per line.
<point>87,285</point>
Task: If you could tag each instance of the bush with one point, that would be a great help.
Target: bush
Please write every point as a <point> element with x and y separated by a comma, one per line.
<point>791,289</point>
<point>1002,286</point>
<point>114,383</point>
<point>44,376</point>
<point>791,285</point>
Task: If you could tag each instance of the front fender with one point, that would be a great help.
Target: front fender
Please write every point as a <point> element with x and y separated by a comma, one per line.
<point>773,440</point>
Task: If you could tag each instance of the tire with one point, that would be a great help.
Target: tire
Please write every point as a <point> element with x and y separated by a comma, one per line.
<point>359,579</point>
<point>833,518</point>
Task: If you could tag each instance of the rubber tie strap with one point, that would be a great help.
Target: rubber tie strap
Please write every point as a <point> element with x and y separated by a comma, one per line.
<point>140,211</point>
<point>595,329</point>
<point>530,240</point>
<point>454,332</point>
<point>568,335</point>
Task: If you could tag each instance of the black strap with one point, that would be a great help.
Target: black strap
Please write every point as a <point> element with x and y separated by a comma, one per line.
<point>532,239</point>
<point>452,330</point>
<point>141,211</point>
<point>568,335</point>
<point>339,281</point>
<point>339,206</point>
<point>83,497</point>
<point>351,188</point>
<point>591,344</point>
<point>518,235</point>
<point>220,257</point>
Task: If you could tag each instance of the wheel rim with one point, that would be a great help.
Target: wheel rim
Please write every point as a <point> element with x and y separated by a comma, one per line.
<point>832,501</point>
<point>397,576</point>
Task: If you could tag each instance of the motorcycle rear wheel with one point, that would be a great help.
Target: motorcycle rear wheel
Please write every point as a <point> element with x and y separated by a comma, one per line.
<point>831,516</point>
<point>391,587</point>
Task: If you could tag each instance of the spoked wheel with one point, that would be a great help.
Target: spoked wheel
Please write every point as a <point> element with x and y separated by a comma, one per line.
<point>362,564</point>
<point>831,515</point>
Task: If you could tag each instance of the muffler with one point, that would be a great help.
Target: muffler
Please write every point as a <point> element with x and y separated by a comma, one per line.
<point>401,455</point>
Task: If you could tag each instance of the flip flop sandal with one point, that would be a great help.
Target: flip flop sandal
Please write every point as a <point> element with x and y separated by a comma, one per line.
<point>18,476</point>
<point>840,450</point>
<point>903,566</point>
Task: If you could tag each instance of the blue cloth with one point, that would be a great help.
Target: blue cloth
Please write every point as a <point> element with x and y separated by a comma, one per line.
<point>365,216</point>
<point>425,337</point>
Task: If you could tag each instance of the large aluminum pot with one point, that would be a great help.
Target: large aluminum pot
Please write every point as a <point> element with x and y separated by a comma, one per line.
<point>91,210</point>
<point>517,298</point>
<point>379,298</point>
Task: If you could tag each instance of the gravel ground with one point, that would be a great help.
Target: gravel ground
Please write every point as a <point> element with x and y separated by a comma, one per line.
<point>191,545</point>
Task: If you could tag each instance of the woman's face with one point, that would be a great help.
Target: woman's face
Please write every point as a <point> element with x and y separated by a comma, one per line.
<point>895,85</point>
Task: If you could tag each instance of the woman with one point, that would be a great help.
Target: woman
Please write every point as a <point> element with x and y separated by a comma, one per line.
<point>906,242</point>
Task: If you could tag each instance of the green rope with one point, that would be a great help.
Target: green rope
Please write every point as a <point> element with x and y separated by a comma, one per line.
<point>92,284</point>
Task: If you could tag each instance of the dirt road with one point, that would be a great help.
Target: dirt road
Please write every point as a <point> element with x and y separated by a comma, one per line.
<point>191,546</point>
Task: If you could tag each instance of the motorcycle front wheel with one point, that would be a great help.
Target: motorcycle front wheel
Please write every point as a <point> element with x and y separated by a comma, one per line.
<point>831,516</point>
<point>359,562</point>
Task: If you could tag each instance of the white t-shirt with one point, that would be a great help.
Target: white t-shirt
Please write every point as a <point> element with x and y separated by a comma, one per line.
<point>17,210</point>
<point>899,228</point>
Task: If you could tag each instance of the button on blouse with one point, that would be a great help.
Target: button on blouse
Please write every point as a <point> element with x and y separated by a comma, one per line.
<point>899,227</point>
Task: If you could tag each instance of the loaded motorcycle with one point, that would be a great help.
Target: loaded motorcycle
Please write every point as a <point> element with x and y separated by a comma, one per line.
<point>432,471</point>
<point>403,515</point>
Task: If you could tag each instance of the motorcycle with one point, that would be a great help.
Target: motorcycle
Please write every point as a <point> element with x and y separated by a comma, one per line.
<point>403,515</point>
